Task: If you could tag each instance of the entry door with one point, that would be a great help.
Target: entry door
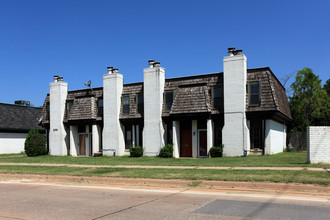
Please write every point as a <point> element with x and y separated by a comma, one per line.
<point>185,139</point>
<point>202,143</point>
<point>82,144</point>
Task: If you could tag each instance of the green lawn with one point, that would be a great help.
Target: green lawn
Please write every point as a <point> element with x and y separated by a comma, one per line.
<point>288,159</point>
<point>303,176</point>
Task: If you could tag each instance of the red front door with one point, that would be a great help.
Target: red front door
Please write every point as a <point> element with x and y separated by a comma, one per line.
<point>185,139</point>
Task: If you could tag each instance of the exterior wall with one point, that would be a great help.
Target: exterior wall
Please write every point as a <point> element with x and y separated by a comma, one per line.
<point>318,144</point>
<point>153,131</point>
<point>176,139</point>
<point>194,136</point>
<point>57,132</point>
<point>12,142</point>
<point>275,137</point>
<point>209,127</point>
<point>96,138</point>
<point>113,136</point>
<point>74,141</point>
<point>235,131</point>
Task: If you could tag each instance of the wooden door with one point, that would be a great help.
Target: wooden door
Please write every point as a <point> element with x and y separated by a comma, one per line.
<point>185,139</point>
<point>82,144</point>
<point>202,143</point>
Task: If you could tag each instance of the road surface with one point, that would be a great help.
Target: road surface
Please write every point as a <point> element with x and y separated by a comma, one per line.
<point>47,201</point>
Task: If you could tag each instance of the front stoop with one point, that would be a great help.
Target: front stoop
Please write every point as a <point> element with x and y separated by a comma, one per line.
<point>255,151</point>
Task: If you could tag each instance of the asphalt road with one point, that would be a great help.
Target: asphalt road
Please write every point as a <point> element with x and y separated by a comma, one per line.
<point>35,201</point>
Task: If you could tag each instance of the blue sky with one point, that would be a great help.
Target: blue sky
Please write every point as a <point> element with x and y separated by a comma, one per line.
<point>79,39</point>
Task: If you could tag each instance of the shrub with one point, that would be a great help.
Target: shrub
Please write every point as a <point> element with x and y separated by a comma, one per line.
<point>166,151</point>
<point>35,144</point>
<point>216,151</point>
<point>136,151</point>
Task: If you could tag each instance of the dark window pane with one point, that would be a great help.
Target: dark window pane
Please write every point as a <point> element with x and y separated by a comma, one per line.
<point>140,103</point>
<point>217,92</point>
<point>126,104</point>
<point>168,100</point>
<point>100,106</point>
<point>254,93</point>
<point>254,99</point>
<point>217,97</point>
<point>255,88</point>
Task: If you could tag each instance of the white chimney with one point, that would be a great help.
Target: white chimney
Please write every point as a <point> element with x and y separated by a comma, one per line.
<point>153,87</point>
<point>235,131</point>
<point>58,91</point>
<point>113,136</point>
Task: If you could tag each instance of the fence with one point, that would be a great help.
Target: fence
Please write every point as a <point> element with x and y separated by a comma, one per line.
<point>297,141</point>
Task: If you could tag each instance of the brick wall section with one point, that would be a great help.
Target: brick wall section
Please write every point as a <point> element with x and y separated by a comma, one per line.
<point>318,144</point>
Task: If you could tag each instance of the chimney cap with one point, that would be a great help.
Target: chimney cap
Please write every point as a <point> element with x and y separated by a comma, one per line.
<point>157,64</point>
<point>115,70</point>
<point>151,63</point>
<point>110,69</point>
<point>231,51</point>
<point>238,52</point>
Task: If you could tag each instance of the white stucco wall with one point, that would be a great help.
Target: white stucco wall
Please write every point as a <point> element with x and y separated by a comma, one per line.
<point>176,138</point>
<point>74,141</point>
<point>12,142</point>
<point>235,131</point>
<point>153,131</point>
<point>113,135</point>
<point>57,132</point>
<point>318,144</point>
<point>275,137</point>
<point>96,130</point>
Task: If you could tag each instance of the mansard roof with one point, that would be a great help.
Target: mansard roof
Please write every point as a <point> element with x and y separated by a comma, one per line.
<point>192,95</point>
<point>17,118</point>
<point>273,96</point>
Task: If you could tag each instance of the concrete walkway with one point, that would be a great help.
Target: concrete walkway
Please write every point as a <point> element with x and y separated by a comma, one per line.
<point>167,167</point>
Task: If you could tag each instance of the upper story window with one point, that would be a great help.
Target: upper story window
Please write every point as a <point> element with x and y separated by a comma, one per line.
<point>140,103</point>
<point>217,96</point>
<point>168,98</point>
<point>100,107</point>
<point>254,90</point>
<point>47,110</point>
<point>68,106</point>
<point>126,103</point>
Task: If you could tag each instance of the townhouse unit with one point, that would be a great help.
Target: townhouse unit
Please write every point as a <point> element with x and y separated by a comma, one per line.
<point>246,110</point>
<point>15,122</point>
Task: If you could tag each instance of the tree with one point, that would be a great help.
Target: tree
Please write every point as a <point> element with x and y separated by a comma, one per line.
<point>326,87</point>
<point>309,102</point>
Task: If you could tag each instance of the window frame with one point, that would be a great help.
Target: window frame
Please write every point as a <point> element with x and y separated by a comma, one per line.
<point>220,98</point>
<point>138,110</point>
<point>129,103</point>
<point>99,107</point>
<point>165,101</point>
<point>251,83</point>
<point>68,106</point>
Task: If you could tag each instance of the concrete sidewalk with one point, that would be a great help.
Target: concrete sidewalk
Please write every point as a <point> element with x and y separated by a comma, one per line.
<point>167,167</point>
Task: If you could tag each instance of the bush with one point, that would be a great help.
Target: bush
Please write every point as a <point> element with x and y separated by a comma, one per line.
<point>35,144</point>
<point>216,151</point>
<point>136,151</point>
<point>166,151</point>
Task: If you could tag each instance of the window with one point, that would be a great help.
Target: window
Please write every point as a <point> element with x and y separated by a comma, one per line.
<point>126,103</point>
<point>140,105</point>
<point>68,106</point>
<point>128,137</point>
<point>254,93</point>
<point>100,107</point>
<point>48,111</point>
<point>217,97</point>
<point>168,96</point>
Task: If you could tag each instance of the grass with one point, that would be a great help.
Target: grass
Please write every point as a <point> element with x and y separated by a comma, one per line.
<point>287,159</point>
<point>281,176</point>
